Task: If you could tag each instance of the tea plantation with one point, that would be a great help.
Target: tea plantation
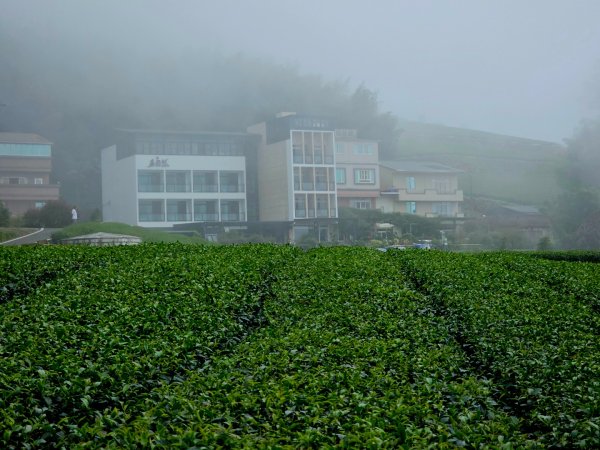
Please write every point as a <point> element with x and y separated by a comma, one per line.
<point>265,346</point>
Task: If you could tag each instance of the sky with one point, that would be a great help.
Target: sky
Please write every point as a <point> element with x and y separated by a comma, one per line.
<point>520,67</point>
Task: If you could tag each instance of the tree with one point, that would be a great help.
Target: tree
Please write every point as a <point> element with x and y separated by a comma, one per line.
<point>4,215</point>
<point>54,214</point>
<point>574,210</point>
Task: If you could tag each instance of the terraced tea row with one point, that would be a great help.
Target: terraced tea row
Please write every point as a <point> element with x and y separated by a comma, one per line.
<point>351,357</point>
<point>100,340</point>
<point>530,327</point>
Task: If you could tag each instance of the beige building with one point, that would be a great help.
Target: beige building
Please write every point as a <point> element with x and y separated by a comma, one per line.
<point>296,175</point>
<point>356,170</point>
<point>25,167</point>
<point>423,188</point>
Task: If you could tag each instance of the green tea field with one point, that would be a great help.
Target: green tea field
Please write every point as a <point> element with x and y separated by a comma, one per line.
<point>266,346</point>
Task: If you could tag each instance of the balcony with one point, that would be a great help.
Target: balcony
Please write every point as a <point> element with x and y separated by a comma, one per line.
<point>39,192</point>
<point>427,195</point>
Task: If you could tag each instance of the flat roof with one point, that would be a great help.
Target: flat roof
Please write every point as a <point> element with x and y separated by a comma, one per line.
<point>188,132</point>
<point>22,138</point>
<point>418,166</point>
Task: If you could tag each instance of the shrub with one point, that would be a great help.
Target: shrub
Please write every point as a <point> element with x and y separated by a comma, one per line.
<point>54,214</point>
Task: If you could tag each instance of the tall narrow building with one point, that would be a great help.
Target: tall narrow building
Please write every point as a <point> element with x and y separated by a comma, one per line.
<point>296,175</point>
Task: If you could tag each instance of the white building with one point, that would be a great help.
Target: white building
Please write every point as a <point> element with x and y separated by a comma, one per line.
<point>159,179</point>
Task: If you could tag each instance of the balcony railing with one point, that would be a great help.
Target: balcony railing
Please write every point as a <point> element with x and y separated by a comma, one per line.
<point>179,217</point>
<point>206,188</point>
<point>206,217</point>
<point>427,195</point>
<point>231,217</point>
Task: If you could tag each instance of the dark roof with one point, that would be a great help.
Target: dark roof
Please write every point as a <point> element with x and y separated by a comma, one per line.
<point>22,138</point>
<point>418,166</point>
<point>213,133</point>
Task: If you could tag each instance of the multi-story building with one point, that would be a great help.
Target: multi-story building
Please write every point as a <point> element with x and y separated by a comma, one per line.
<point>25,168</point>
<point>417,187</point>
<point>356,170</point>
<point>296,174</point>
<point>162,178</point>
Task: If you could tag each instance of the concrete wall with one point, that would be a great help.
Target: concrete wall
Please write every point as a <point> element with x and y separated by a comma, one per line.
<point>119,187</point>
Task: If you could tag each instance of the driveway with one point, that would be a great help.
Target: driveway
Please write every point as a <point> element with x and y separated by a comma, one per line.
<point>40,235</point>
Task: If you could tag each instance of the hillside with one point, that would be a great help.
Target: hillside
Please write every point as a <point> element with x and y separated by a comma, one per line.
<point>496,166</point>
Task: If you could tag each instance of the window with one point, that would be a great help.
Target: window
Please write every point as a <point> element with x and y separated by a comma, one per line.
<point>231,181</point>
<point>300,205</point>
<point>150,181</point>
<point>442,185</point>
<point>206,211</point>
<point>38,181</point>
<point>364,176</point>
<point>307,179</point>
<point>178,181</point>
<point>362,149</point>
<point>443,209</point>
<point>297,154</point>
<point>151,210</point>
<point>179,210</point>
<point>411,207</point>
<point>232,211</point>
<point>321,179</point>
<point>205,181</point>
<point>410,184</point>
<point>322,205</point>
<point>297,178</point>
<point>339,148</point>
<point>361,203</point>
<point>13,180</point>
<point>7,149</point>
<point>340,176</point>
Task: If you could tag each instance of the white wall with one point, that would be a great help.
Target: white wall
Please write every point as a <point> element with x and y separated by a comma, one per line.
<point>119,188</point>
<point>119,182</point>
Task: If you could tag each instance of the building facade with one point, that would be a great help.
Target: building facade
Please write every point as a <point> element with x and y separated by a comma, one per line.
<point>426,189</point>
<point>163,178</point>
<point>25,172</point>
<point>356,170</point>
<point>296,173</point>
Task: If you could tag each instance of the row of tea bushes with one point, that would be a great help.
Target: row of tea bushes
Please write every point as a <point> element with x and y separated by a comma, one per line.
<point>522,325</point>
<point>130,320</point>
<point>351,357</point>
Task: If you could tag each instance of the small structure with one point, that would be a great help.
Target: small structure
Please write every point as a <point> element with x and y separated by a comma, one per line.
<point>102,239</point>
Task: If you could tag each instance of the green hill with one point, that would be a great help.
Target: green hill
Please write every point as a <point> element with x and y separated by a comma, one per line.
<point>496,166</point>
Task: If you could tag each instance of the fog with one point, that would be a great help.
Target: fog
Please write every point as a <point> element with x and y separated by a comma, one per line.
<point>510,67</point>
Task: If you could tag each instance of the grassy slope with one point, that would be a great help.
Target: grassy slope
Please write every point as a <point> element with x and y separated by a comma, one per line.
<point>147,235</point>
<point>496,166</point>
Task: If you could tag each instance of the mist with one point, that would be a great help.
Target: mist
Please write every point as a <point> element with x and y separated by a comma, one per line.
<point>512,67</point>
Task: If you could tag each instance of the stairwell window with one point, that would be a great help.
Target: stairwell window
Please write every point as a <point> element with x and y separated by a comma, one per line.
<point>364,176</point>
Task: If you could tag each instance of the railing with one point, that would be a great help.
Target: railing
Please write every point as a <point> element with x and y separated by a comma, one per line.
<point>206,217</point>
<point>152,217</point>
<point>151,188</point>
<point>232,188</point>
<point>321,186</point>
<point>231,217</point>
<point>179,217</point>
<point>178,188</point>
<point>322,213</point>
<point>206,188</point>
<point>424,195</point>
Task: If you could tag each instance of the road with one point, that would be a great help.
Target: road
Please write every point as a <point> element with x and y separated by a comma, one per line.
<point>37,236</point>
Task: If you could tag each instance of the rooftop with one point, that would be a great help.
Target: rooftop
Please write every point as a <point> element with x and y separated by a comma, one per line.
<point>22,138</point>
<point>418,166</point>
